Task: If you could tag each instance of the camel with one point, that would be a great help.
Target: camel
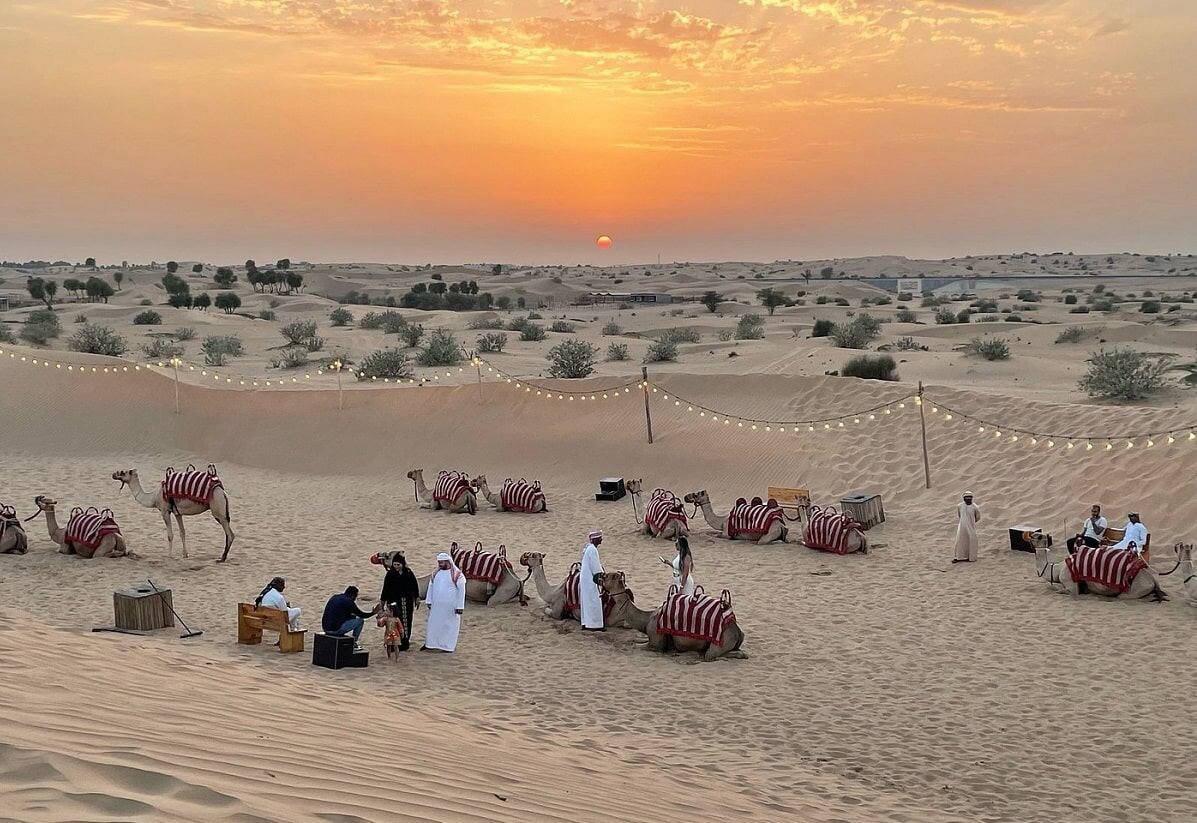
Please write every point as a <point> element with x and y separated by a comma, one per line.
<point>467,500</point>
<point>1145,584</point>
<point>111,545</point>
<point>219,507</point>
<point>538,503</point>
<point>1184,566</point>
<point>673,528</point>
<point>777,531</point>
<point>626,612</point>
<point>477,591</point>
<point>553,596</point>
<point>821,529</point>
<point>12,532</point>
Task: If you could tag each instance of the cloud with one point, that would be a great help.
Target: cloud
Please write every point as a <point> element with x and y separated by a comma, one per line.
<point>1113,26</point>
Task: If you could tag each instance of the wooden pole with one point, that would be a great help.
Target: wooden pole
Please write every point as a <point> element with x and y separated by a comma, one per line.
<point>174,361</point>
<point>648,415</point>
<point>478,365</point>
<point>923,425</point>
<point>340,391</point>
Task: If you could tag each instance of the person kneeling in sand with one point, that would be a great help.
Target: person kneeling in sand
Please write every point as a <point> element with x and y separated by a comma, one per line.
<point>342,616</point>
<point>272,598</point>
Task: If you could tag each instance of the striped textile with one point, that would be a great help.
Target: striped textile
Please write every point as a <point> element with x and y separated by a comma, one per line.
<point>450,486</point>
<point>520,495</point>
<point>1115,569</point>
<point>573,597</point>
<point>746,518</point>
<point>697,616</point>
<point>663,508</point>
<point>828,530</point>
<point>90,527</point>
<point>480,565</point>
<point>191,484</point>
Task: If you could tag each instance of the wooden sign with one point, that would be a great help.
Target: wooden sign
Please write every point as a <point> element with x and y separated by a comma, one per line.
<point>791,498</point>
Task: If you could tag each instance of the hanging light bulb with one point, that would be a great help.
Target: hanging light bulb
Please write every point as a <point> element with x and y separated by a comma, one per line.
<point>1150,442</point>
<point>1051,443</point>
<point>980,428</point>
<point>947,417</point>
<point>1171,439</point>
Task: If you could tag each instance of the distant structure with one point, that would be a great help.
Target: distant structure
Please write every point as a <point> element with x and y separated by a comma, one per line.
<point>626,297</point>
<point>910,285</point>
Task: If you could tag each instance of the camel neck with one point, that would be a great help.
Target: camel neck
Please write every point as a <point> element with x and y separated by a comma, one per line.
<point>141,495</point>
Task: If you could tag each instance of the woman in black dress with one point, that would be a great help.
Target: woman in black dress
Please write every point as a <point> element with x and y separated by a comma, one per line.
<point>400,591</point>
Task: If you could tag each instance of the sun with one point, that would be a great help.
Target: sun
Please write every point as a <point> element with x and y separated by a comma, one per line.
<point>603,241</point>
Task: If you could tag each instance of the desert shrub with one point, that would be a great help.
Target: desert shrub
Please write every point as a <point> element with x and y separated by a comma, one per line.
<point>534,316</point>
<point>842,301</point>
<point>612,329</point>
<point>291,357</point>
<point>989,318</point>
<point>725,335</point>
<point>985,304</point>
<point>228,301</point>
<point>1013,318</point>
<point>145,301</point>
<point>531,332</point>
<point>298,332</point>
<point>1070,299</point>
<point>201,301</point>
<point>1103,305</point>
<point>491,343</point>
<point>1150,307</point>
<point>185,333</point>
<point>385,363</point>
<point>81,319</point>
<point>822,328</point>
<point>1072,334</point>
<point>617,351</point>
<point>1028,296</point>
<point>517,323</point>
<point>161,348</point>
<point>96,339</point>
<point>41,327</point>
<point>1124,374</point>
<point>904,315</point>
<point>945,316</point>
<point>314,343</point>
<point>855,334</point>
<point>871,367</point>
<point>340,317</point>
<point>571,359</point>
<point>267,314</point>
<point>374,319</point>
<point>993,348</point>
<point>681,335</point>
<point>561,327</point>
<point>750,327</point>
<point>274,302</point>
<point>907,344</point>
<point>1079,310</point>
<point>180,300</point>
<point>411,334</point>
<point>661,351</point>
<point>964,316</point>
<point>6,335</point>
<point>441,349</point>
<point>393,323</point>
<point>822,299</point>
<point>218,349</point>
<point>485,323</point>
<point>146,318</point>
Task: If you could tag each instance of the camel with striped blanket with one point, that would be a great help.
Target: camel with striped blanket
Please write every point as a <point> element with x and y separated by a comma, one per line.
<point>1141,583</point>
<point>218,504</point>
<point>626,612</point>
<point>12,532</point>
<point>464,499</point>
<point>110,545</point>
<point>774,533</point>
<point>515,496</point>
<point>510,587</point>
<point>666,524</point>
<point>556,598</point>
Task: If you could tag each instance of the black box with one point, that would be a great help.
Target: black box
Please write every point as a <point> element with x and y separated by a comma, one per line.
<point>333,652</point>
<point>1019,542</point>
<point>611,488</point>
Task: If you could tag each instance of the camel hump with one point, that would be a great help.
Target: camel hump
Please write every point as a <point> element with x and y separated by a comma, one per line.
<point>190,467</point>
<point>107,514</point>
<point>170,470</point>
<point>78,510</point>
<point>478,547</point>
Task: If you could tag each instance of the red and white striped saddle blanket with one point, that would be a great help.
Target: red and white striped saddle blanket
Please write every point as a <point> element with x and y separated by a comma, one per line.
<point>191,484</point>
<point>662,509</point>
<point>697,616</point>
<point>573,597</point>
<point>828,530</point>
<point>480,565</point>
<point>746,518</point>
<point>90,527</point>
<point>450,486</point>
<point>1115,569</point>
<point>520,495</point>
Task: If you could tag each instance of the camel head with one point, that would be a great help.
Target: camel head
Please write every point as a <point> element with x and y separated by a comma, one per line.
<point>1038,540</point>
<point>415,474</point>
<point>615,584</point>
<point>125,477</point>
<point>532,559</point>
<point>634,486</point>
<point>1184,552</point>
<point>45,504</point>
<point>478,482</point>
<point>698,498</point>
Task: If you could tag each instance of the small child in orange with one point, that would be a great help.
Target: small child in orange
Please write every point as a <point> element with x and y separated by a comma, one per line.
<point>392,637</point>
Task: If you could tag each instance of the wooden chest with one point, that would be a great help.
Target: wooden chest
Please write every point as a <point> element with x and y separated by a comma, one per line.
<point>863,507</point>
<point>142,609</point>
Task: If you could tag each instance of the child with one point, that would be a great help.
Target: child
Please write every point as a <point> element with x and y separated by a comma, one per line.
<point>392,637</point>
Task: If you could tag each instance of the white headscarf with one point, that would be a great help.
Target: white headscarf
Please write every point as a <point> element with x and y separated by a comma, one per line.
<point>453,570</point>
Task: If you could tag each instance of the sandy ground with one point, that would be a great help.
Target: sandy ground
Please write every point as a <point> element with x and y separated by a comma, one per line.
<point>892,687</point>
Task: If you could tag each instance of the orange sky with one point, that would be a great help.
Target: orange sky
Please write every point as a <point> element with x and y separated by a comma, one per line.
<point>518,130</point>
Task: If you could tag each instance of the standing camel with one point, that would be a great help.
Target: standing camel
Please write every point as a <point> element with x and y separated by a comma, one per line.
<point>663,514</point>
<point>627,612</point>
<point>755,521</point>
<point>514,496</point>
<point>12,532</point>
<point>180,508</point>
<point>509,588</point>
<point>87,534</point>
<point>453,492</point>
<point>1135,579</point>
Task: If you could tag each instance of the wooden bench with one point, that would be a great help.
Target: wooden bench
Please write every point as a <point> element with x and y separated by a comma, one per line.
<point>1113,535</point>
<point>251,620</point>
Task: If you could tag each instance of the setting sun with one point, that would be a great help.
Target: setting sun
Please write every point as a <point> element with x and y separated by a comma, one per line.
<point>603,241</point>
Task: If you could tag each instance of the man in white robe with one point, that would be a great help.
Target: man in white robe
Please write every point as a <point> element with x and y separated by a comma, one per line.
<point>272,598</point>
<point>446,603</point>
<point>1134,536</point>
<point>590,600</point>
<point>967,541</point>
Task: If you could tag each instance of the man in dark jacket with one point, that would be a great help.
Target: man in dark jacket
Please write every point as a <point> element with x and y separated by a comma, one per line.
<point>400,591</point>
<point>342,616</point>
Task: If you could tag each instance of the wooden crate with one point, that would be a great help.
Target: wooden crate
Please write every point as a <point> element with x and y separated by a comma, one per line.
<point>142,609</point>
<point>863,507</point>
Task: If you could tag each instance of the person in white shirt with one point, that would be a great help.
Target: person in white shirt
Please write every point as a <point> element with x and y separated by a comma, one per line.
<point>272,598</point>
<point>1134,536</point>
<point>1092,532</point>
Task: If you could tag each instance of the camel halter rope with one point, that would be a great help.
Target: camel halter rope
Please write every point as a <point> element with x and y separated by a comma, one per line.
<point>1177,565</point>
<point>635,509</point>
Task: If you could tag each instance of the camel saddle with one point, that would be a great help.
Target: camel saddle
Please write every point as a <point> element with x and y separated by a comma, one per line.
<point>662,509</point>
<point>520,495</point>
<point>828,530</point>
<point>480,565</point>
<point>191,484</point>
<point>753,518</point>
<point>90,527</point>
<point>450,486</point>
<point>697,616</point>
<point>1111,568</point>
<point>573,595</point>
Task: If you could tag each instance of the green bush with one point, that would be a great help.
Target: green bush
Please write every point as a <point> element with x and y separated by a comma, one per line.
<point>146,318</point>
<point>517,324</point>
<point>340,316</point>
<point>218,349</point>
<point>1079,310</point>
<point>725,335</point>
<point>411,335</point>
<point>440,349</point>
<point>822,328</point>
<point>228,301</point>
<point>531,332</point>
<point>185,333</point>
<point>298,332</point>
<point>385,363</point>
<point>201,301</point>
<point>561,327</point>
<point>1124,374</point>
<point>41,326</point>
<point>534,316</point>
<point>160,348</point>
<point>1070,299</point>
<point>871,367</point>
<point>484,323</point>
<point>964,316</point>
<point>267,314</point>
<point>682,335</point>
<point>145,301</point>
<point>993,348</point>
<point>907,344</point>
<point>858,333</point>
<point>661,351</point>
<point>617,351</point>
<point>491,343</point>
<point>612,329</point>
<point>1013,318</point>
<point>904,315</point>
<point>571,359</point>
<point>1103,305</point>
<point>945,316</point>
<point>96,339</point>
<point>291,357</point>
<point>1072,334</point>
<point>375,320</point>
<point>1150,307</point>
<point>6,335</point>
<point>750,327</point>
<point>81,319</point>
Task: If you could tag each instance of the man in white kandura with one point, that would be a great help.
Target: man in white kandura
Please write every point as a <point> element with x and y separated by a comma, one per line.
<point>446,603</point>
<point>1134,536</point>
<point>588,590</point>
<point>966,533</point>
<point>272,598</point>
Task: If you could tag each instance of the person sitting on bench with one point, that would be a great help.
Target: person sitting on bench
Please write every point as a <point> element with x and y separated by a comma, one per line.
<point>1092,533</point>
<point>272,598</point>
<point>342,616</point>
<point>1134,535</point>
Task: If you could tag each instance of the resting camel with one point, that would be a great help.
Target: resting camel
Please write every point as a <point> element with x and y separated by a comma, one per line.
<point>180,508</point>
<point>1145,583</point>
<point>672,530</point>
<point>112,545</point>
<point>477,591</point>
<point>12,532</point>
<point>467,500</point>
<point>628,613</point>
<point>539,505</point>
<point>1184,567</point>
<point>777,531</point>
<point>553,596</point>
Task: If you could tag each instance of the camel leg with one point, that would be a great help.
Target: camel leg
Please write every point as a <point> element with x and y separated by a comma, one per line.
<point>182,534</point>
<point>170,534</point>
<point>220,511</point>
<point>775,534</point>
